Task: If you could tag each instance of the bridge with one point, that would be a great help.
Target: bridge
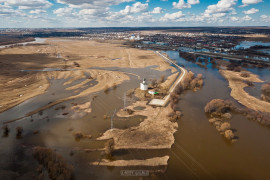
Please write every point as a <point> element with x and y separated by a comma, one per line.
<point>231,57</point>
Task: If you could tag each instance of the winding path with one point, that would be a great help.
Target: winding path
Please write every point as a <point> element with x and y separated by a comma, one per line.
<point>164,101</point>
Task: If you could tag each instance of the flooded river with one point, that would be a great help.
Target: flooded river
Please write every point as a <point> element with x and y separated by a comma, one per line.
<point>36,41</point>
<point>199,152</point>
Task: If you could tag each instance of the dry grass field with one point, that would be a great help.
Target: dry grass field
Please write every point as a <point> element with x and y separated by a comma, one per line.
<point>237,84</point>
<point>76,56</point>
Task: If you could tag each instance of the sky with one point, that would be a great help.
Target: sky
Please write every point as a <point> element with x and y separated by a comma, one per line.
<point>133,13</point>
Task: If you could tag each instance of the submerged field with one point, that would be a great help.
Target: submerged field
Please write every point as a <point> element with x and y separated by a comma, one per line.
<point>62,95</point>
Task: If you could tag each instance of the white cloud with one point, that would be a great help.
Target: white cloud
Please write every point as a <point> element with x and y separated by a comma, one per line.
<point>216,12</point>
<point>247,18</point>
<point>235,18</point>
<point>223,6</point>
<point>5,5</point>
<point>11,12</point>
<point>192,2</point>
<point>251,1</point>
<point>28,4</point>
<point>241,19</point>
<point>135,8</point>
<point>251,11</point>
<point>182,4</point>
<point>157,10</point>
<point>37,11</point>
<point>173,17</point>
<point>233,12</point>
<point>63,11</point>
<point>88,12</point>
<point>248,2</point>
<point>91,4</point>
<point>265,18</point>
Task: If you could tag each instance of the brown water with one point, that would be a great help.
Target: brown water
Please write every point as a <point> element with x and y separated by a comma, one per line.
<point>54,128</point>
<point>199,151</point>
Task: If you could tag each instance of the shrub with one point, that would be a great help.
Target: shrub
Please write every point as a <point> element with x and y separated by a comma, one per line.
<point>218,106</point>
<point>217,124</point>
<point>76,64</point>
<point>19,131</point>
<point>5,130</point>
<point>244,74</point>
<point>60,107</point>
<point>129,111</point>
<point>174,116</point>
<point>233,67</point>
<point>196,83</point>
<point>229,134</point>
<point>79,135</point>
<point>213,120</point>
<point>185,83</point>
<point>199,76</point>
<point>106,89</point>
<point>193,84</point>
<point>191,75</point>
<point>54,163</point>
<point>190,83</point>
<point>130,92</point>
<point>250,83</point>
<point>237,69</point>
<point>174,99</point>
<point>226,116</point>
<point>266,88</point>
<point>265,98</point>
<point>225,126</point>
<point>114,86</point>
<point>179,89</point>
<point>154,83</point>
<point>162,78</point>
<point>109,147</point>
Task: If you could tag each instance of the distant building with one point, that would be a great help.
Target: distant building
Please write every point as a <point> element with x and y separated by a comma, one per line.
<point>132,37</point>
<point>143,85</point>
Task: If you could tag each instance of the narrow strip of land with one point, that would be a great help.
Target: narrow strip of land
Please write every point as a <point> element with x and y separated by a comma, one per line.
<point>237,84</point>
<point>164,101</point>
<point>157,161</point>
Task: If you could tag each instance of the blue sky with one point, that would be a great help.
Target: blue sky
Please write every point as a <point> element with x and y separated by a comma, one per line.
<point>133,13</point>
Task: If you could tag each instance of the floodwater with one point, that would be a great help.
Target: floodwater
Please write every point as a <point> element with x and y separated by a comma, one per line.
<point>54,128</point>
<point>248,44</point>
<point>37,40</point>
<point>199,152</point>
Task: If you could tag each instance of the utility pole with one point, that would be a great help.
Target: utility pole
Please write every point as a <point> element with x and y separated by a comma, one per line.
<point>124,101</point>
<point>112,119</point>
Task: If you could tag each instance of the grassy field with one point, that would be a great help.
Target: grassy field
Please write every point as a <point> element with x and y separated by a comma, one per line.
<point>79,55</point>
